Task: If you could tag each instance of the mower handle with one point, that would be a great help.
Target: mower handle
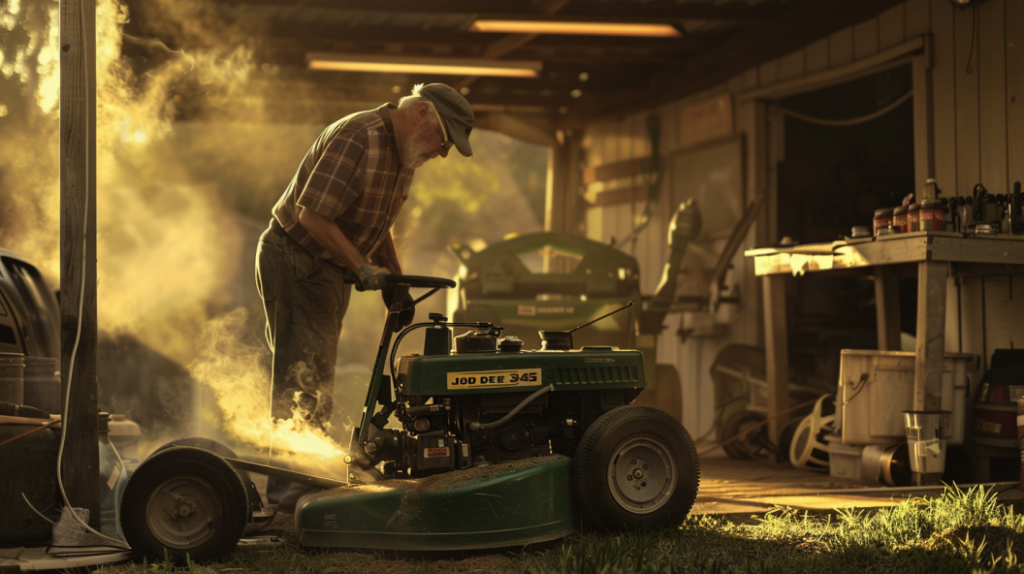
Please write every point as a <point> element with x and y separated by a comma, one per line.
<point>420,281</point>
<point>410,280</point>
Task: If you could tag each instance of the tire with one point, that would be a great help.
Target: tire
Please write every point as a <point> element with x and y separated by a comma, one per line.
<point>635,443</point>
<point>222,450</point>
<point>742,423</point>
<point>185,504</point>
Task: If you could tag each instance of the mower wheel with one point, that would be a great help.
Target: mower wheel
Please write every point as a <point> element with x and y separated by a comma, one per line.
<point>222,450</point>
<point>185,504</point>
<point>635,467</point>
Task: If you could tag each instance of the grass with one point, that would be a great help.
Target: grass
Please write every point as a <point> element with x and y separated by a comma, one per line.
<point>958,532</point>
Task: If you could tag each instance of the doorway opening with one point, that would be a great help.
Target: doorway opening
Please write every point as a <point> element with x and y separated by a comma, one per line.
<point>831,178</point>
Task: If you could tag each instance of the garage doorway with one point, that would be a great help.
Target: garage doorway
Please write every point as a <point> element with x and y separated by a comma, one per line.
<point>844,151</point>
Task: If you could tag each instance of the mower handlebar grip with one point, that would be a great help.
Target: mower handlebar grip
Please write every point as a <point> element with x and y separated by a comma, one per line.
<point>410,280</point>
<point>420,281</point>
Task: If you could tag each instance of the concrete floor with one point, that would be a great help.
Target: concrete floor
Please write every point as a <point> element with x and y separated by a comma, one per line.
<point>737,489</point>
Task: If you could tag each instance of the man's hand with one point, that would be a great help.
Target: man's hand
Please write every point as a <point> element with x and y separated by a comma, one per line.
<point>371,277</point>
<point>408,309</point>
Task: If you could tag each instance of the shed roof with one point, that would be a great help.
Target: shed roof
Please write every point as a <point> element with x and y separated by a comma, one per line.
<point>583,78</point>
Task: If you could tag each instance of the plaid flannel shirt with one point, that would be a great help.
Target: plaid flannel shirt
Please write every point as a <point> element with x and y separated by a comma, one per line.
<point>353,176</point>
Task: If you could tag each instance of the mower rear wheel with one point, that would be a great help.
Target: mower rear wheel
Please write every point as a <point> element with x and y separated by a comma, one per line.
<point>635,467</point>
<point>184,503</point>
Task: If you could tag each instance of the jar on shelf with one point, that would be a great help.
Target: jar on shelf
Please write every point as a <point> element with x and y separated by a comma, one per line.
<point>932,215</point>
<point>899,219</point>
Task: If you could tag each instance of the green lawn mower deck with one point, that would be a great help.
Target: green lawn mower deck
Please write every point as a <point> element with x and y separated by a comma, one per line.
<point>487,506</point>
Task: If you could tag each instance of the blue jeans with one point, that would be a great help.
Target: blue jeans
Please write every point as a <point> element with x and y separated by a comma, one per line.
<point>305,299</point>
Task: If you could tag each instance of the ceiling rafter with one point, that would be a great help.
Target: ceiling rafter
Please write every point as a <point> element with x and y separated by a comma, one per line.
<point>750,47</point>
<point>481,45</point>
<point>512,42</point>
<point>652,11</point>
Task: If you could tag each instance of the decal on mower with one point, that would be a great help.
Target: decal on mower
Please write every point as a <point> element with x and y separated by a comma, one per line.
<point>493,379</point>
<point>435,452</point>
<point>533,310</point>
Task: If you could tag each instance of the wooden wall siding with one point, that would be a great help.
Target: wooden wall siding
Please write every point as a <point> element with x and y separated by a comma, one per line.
<point>992,100</point>
<point>890,27</point>
<point>1014,65</point>
<point>978,135</point>
<point>865,39</point>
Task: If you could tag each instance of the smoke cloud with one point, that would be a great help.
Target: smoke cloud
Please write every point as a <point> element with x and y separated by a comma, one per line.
<point>169,246</point>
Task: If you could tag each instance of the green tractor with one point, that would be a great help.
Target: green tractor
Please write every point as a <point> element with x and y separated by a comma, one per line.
<point>555,281</point>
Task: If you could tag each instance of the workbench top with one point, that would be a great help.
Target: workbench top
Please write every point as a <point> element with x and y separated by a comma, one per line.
<point>914,247</point>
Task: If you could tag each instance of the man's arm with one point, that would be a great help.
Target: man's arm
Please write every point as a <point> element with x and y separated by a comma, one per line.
<point>387,256</point>
<point>327,234</point>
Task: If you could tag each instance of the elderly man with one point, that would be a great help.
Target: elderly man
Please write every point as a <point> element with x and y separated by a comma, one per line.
<point>335,219</point>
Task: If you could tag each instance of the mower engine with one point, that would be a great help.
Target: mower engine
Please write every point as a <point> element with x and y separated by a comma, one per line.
<point>492,401</point>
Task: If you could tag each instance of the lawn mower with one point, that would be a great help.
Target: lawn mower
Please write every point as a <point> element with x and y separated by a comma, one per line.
<point>473,443</point>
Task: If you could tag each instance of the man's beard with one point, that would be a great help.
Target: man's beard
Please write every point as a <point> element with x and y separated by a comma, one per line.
<point>415,151</point>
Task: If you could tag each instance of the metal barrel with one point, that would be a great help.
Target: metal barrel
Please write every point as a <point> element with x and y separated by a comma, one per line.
<point>42,384</point>
<point>12,378</point>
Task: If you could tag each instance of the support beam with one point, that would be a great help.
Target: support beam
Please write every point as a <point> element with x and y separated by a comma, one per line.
<point>562,212</point>
<point>887,308</point>
<point>776,352</point>
<point>931,334</point>
<point>78,252</point>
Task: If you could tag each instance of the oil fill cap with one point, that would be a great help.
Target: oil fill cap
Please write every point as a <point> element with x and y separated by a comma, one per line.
<point>510,344</point>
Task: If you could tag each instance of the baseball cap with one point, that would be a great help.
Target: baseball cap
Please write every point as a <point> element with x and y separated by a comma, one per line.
<point>455,112</point>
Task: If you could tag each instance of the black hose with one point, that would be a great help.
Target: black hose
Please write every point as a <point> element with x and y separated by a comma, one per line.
<point>477,426</point>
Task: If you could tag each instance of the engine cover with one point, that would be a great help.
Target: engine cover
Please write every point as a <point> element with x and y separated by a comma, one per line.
<point>586,369</point>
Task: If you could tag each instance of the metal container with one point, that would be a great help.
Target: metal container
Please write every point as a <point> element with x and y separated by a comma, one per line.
<point>887,464</point>
<point>12,378</point>
<point>985,229</point>
<point>860,231</point>
<point>899,219</point>
<point>914,217</point>
<point>932,216</point>
<point>42,384</point>
<point>882,219</point>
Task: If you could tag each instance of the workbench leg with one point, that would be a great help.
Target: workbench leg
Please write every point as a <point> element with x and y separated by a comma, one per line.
<point>887,308</point>
<point>777,353</point>
<point>931,335</point>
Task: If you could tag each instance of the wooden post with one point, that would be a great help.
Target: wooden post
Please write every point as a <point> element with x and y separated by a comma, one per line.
<point>931,334</point>
<point>777,352</point>
<point>78,251</point>
<point>887,308</point>
<point>562,202</point>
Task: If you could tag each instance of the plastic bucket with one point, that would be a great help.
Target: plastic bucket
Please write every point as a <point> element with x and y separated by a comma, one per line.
<point>42,384</point>
<point>926,440</point>
<point>12,378</point>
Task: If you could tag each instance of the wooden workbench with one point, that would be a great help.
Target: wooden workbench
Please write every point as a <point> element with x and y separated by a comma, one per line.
<point>937,255</point>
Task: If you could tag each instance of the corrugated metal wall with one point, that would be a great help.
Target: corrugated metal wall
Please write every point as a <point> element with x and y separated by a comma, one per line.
<point>978,136</point>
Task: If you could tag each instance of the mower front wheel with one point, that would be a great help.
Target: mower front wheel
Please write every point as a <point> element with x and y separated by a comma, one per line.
<point>184,503</point>
<point>635,467</point>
